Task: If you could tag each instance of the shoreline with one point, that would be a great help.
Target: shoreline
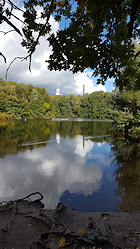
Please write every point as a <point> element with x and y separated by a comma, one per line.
<point>26,224</point>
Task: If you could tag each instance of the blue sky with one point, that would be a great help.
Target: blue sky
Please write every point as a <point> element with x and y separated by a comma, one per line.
<point>66,81</point>
<point>109,83</point>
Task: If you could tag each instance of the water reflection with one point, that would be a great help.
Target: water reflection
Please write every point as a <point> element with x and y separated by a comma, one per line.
<point>68,160</point>
<point>58,138</point>
<point>126,153</point>
<point>78,163</point>
<point>53,169</point>
<point>16,132</point>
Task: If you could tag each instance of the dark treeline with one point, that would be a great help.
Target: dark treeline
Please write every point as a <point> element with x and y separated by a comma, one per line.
<point>21,101</point>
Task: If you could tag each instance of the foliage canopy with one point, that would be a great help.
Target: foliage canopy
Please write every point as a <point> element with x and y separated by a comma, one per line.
<point>97,35</point>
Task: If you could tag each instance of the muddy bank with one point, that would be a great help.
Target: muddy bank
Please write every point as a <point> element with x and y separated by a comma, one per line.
<point>27,224</point>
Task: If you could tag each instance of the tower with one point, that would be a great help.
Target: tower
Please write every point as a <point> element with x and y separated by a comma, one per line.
<point>57,91</point>
<point>83,89</point>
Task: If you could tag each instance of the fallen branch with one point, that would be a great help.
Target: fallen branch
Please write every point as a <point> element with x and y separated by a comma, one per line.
<point>27,197</point>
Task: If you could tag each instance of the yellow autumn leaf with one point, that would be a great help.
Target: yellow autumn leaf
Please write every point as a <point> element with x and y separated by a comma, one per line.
<point>81,230</point>
<point>62,242</point>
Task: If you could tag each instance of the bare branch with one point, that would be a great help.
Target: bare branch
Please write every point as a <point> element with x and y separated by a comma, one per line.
<point>14,6</point>
<point>21,58</point>
<point>11,24</point>
<point>3,57</point>
<point>18,18</point>
<point>5,33</point>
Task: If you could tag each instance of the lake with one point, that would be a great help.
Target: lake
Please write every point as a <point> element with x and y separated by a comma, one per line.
<point>75,161</point>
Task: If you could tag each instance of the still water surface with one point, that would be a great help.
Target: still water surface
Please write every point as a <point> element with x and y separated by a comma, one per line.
<point>75,162</point>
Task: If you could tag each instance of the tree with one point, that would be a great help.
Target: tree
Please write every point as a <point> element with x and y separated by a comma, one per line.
<point>98,34</point>
<point>128,77</point>
<point>98,37</point>
<point>75,104</point>
<point>46,106</point>
<point>85,106</point>
<point>64,106</point>
<point>126,110</point>
<point>21,91</point>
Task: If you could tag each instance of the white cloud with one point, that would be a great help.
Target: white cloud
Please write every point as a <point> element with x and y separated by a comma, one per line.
<point>68,83</point>
<point>111,80</point>
<point>83,79</point>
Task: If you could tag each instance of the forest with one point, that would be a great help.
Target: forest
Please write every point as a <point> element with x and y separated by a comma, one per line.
<point>19,101</point>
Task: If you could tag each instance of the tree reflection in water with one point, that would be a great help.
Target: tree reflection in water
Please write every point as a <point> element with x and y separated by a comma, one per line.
<point>126,150</point>
<point>16,132</point>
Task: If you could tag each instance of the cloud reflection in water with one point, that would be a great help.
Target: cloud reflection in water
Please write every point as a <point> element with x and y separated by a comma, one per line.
<point>53,169</point>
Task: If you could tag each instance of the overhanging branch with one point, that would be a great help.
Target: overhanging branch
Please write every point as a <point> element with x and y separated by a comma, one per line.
<point>36,43</point>
<point>37,40</point>
<point>1,54</point>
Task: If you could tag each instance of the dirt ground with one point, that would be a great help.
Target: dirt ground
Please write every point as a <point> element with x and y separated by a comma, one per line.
<point>26,224</point>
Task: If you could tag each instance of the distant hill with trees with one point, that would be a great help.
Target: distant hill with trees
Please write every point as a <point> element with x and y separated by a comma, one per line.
<point>21,101</point>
